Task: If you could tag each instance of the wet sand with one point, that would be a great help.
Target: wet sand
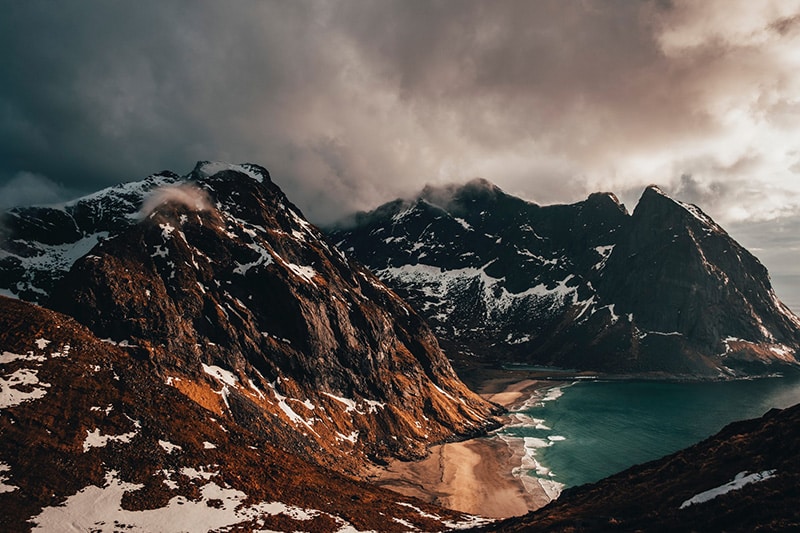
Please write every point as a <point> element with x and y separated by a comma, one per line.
<point>473,476</point>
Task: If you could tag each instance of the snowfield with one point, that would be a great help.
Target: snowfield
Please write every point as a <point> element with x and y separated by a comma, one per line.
<point>741,479</point>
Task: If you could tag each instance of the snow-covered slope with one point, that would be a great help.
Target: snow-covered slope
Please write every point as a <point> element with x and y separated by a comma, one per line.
<point>585,286</point>
<point>39,244</point>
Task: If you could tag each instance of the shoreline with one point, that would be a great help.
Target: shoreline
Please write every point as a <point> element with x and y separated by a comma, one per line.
<point>476,476</point>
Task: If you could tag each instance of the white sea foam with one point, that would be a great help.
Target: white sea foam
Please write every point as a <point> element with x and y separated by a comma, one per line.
<point>538,397</point>
<point>531,472</point>
<point>553,394</point>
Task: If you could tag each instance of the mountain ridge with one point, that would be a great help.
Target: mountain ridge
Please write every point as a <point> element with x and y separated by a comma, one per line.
<point>208,328</point>
<point>565,285</point>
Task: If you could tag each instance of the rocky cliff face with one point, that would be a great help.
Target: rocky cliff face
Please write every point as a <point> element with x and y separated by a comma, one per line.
<point>685,280</point>
<point>236,301</point>
<point>585,286</point>
<point>745,478</point>
<point>91,440</point>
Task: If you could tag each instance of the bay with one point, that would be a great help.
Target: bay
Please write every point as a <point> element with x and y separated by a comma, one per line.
<point>592,429</point>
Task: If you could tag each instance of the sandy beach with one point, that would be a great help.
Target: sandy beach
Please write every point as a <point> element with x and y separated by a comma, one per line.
<point>473,476</point>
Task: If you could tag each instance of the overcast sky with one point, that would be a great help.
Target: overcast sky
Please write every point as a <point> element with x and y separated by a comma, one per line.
<point>352,103</point>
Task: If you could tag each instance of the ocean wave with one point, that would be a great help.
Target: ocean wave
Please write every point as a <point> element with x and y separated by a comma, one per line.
<point>534,476</point>
<point>539,397</point>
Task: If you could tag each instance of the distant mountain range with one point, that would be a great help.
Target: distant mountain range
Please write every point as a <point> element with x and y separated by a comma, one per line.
<point>585,286</point>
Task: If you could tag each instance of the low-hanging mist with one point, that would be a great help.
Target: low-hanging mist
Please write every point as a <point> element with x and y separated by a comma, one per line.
<point>185,194</point>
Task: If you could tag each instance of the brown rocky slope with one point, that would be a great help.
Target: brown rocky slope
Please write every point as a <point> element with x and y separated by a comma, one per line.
<point>243,306</point>
<point>90,441</point>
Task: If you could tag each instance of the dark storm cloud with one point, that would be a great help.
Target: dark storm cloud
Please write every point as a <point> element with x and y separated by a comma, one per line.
<point>26,188</point>
<point>353,103</point>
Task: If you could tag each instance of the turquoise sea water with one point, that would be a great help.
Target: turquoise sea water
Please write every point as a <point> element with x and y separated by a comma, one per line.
<point>589,430</point>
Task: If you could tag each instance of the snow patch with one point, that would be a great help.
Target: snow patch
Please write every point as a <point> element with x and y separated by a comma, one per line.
<point>95,440</point>
<point>420,512</point>
<point>100,509</point>
<point>11,396</point>
<point>166,230</point>
<point>3,478</point>
<point>209,168</point>
<point>741,479</point>
<point>436,284</point>
<point>289,412</point>
<point>464,223</point>
<point>468,522</point>
<point>107,410</point>
<point>264,259</point>
<point>352,437</point>
<point>54,260</point>
<point>42,343</point>
<point>64,351</point>
<point>352,406</point>
<point>225,376</point>
<point>8,357</point>
<point>604,252</point>
<point>305,272</point>
<point>168,446</point>
<point>193,473</point>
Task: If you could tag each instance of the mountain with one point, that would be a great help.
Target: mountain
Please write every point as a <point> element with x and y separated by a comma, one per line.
<point>90,441</point>
<point>745,478</point>
<point>230,305</point>
<point>584,286</point>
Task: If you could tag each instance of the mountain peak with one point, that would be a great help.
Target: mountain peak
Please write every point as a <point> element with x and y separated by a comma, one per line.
<point>654,202</point>
<point>655,189</point>
<point>654,195</point>
<point>206,169</point>
<point>607,199</point>
<point>481,183</point>
<point>456,197</point>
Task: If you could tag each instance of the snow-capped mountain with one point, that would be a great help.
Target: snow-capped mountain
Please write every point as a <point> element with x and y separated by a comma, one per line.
<point>232,311</point>
<point>583,286</point>
<point>39,244</point>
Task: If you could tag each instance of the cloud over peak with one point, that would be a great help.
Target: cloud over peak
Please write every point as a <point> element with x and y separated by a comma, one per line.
<point>187,195</point>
